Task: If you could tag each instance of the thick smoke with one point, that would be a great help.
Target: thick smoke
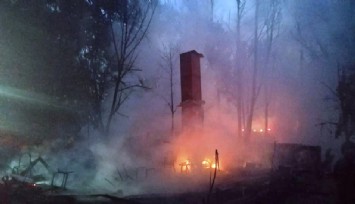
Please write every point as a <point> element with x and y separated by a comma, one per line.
<point>132,162</point>
<point>135,157</point>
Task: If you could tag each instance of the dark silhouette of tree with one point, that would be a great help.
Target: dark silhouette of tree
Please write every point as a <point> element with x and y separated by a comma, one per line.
<point>334,49</point>
<point>272,24</point>
<point>169,57</point>
<point>255,88</point>
<point>240,14</point>
<point>87,49</point>
<point>50,87</point>
<point>129,22</point>
<point>346,94</point>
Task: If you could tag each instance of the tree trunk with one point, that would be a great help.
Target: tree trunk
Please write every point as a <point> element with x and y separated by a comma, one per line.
<point>239,71</point>
<point>255,71</point>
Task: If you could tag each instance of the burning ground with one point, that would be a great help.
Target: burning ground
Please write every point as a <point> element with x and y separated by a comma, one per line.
<point>149,160</point>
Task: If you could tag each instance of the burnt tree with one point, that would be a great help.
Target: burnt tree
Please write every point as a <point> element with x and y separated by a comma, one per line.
<point>346,95</point>
<point>168,61</point>
<point>129,22</point>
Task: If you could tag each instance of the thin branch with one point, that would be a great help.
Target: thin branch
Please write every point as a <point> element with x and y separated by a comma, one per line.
<point>331,90</point>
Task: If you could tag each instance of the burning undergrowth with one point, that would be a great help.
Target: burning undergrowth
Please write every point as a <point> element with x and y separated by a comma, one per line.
<point>146,157</point>
<point>146,161</point>
<point>155,162</point>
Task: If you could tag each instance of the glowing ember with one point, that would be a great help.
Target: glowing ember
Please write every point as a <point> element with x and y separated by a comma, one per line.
<point>258,130</point>
<point>185,166</point>
<point>206,163</point>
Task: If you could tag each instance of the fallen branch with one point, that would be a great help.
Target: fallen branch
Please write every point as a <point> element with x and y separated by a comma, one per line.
<point>108,181</point>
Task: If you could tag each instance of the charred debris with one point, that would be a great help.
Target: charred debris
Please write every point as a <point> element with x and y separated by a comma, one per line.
<point>296,173</point>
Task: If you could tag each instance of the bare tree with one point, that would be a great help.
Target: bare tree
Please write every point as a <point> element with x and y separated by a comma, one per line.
<point>254,91</point>
<point>332,49</point>
<point>345,93</point>
<point>240,14</point>
<point>169,56</point>
<point>272,23</point>
<point>131,22</point>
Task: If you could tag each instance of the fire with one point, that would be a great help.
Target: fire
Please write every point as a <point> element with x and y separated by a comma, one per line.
<point>208,164</point>
<point>187,162</point>
<point>185,166</point>
<point>259,130</point>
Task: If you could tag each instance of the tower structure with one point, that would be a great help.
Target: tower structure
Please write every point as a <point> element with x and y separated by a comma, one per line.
<point>191,93</point>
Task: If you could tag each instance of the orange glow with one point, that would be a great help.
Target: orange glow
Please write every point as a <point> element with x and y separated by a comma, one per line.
<point>258,130</point>
<point>185,166</point>
<point>206,163</point>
